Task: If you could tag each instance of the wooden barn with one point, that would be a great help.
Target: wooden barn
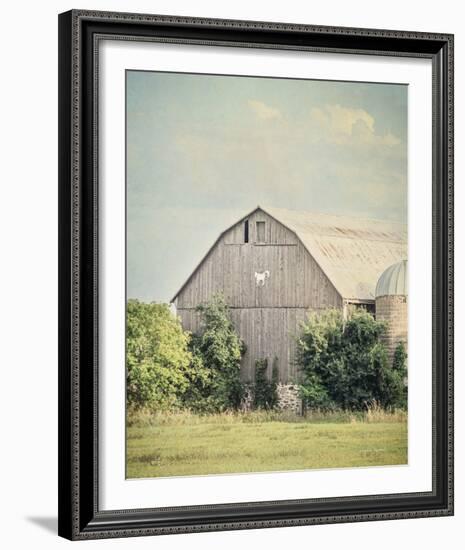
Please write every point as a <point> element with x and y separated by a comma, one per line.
<point>274,265</point>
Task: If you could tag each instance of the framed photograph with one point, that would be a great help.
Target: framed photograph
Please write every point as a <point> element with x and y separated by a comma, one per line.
<point>256,278</point>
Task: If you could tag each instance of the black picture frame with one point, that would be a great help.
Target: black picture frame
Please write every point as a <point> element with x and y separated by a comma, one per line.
<point>79,515</point>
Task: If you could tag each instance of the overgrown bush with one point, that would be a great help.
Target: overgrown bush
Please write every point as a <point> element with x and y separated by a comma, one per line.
<point>216,351</point>
<point>158,360</point>
<point>399,368</point>
<point>399,362</point>
<point>168,368</point>
<point>344,364</point>
<point>265,390</point>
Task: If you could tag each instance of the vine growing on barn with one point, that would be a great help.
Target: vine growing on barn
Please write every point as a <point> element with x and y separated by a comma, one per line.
<point>265,389</point>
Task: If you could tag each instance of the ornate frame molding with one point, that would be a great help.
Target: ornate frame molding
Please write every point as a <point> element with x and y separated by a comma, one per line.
<point>79,36</point>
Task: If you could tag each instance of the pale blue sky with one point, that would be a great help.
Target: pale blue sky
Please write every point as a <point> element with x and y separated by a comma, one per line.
<point>204,150</point>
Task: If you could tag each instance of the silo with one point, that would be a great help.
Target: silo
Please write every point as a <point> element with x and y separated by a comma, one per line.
<point>391,297</point>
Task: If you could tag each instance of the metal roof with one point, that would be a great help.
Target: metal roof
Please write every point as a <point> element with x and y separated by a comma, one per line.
<point>352,252</point>
<point>393,281</point>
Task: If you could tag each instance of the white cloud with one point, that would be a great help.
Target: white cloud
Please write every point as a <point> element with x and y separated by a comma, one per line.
<point>342,125</point>
<point>262,110</point>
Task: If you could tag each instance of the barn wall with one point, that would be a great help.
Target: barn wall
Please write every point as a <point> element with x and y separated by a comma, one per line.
<point>267,332</point>
<point>295,278</point>
<point>267,317</point>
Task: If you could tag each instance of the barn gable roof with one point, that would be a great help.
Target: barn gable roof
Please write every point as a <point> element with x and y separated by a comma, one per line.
<point>352,252</point>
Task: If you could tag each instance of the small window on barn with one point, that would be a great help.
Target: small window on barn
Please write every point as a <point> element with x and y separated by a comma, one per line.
<point>260,232</point>
<point>246,231</point>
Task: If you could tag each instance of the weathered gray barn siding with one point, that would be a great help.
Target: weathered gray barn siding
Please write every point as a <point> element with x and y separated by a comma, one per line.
<point>266,317</point>
<point>268,333</point>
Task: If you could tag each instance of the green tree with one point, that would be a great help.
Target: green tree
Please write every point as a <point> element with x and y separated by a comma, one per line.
<point>157,356</point>
<point>217,350</point>
<point>344,364</point>
<point>319,356</point>
<point>399,362</point>
<point>199,395</point>
<point>399,373</point>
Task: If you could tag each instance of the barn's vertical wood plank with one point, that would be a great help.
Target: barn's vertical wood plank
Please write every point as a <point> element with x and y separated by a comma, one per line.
<point>243,275</point>
<point>299,277</point>
<point>311,301</point>
<point>204,280</point>
<point>283,347</point>
<point>210,274</point>
<point>227,272</point>
<point>316,285</point>
<point>309,282</point>
<point>290,313</point>
<point>220,270</point>
<point>325,292</point>
<point>295,275</point>
<point>253,339</point>
<point>249,296</point>
<point>233,278</point>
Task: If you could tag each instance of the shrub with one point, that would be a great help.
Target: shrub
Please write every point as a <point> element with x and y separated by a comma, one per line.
<point>344,364</point>
<point>399,362</point>
<point>265,390</point>
<point>216,351</point>
<point>157,356</point>
<point>319,351</point>
<point>399,372</point>
<point>199,396</point>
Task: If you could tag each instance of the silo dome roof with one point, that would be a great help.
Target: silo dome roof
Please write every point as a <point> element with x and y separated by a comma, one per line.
<point>393,281</point>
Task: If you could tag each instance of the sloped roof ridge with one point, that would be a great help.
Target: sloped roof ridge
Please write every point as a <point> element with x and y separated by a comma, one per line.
<point>316,213</point>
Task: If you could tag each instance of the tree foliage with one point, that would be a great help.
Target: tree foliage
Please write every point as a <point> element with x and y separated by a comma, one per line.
<point>217,351</point>
<point>157,356</point>
<point>399,366</point>
<point>169,368</point>
<point>265,390</point>
<point>345,365</point>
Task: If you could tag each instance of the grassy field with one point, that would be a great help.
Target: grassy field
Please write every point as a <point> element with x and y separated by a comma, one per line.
<point>186,444</point>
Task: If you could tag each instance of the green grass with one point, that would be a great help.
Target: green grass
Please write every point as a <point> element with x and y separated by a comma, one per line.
<point>182,444</point>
